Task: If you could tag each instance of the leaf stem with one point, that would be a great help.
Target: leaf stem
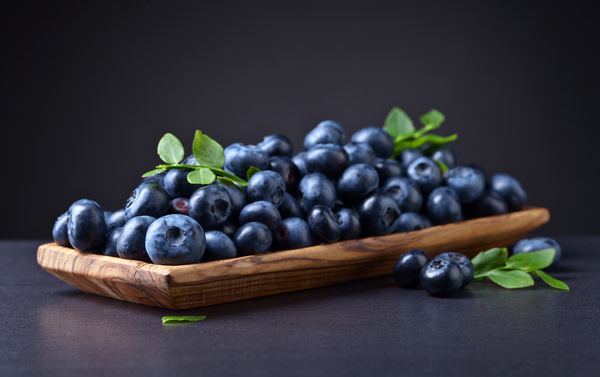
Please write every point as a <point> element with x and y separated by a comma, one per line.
<point>217,171</point>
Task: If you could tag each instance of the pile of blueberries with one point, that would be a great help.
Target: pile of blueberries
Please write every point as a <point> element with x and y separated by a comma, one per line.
<point>332,191</point>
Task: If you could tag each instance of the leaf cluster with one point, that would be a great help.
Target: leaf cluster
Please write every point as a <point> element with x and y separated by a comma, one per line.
<point>400,126</point>
<point>515,271</point>
<point>208,153</point>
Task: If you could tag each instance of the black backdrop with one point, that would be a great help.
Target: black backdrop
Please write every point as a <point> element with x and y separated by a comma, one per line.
<point>90,87</point>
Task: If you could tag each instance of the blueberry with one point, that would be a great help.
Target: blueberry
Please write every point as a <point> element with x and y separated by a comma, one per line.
<point>116,219</point>
<point>405,192</point>
<point>253,238</point>
<point>445,155</point>
<point>86,226</point>
<point>407,156</point>
<point>300,161</point>
<point>441,278</point>
<point>378,139</point>
<point>315,189</point>
<point>350,223</point>
<point>277,145</point>
<point>326,132</point>
<point>131,244</point>
<point>290,207</point>
<point>379,214</point>
<point>263,212</point>
<point>443,206</point>
<point>288,170</point>
<point>238,197</point>
<point>410,221</point>
<point>229,228</point>
<point>324,223</point>
<point>148,199</point>
<point>218,246</point>
<point>174,240</point>
<point>387,168</point>
<point>210,206</point>
<point>177,185</point>
<point>266,185</point>
<point>408,266</point>
<point>60,230</point>
<point>463,262</point>
<point>488,204</point>
<point>293,233</point>
<point>527,245</point>
<point>510,190</point>
<point>328,159</point>
<point>357,182</point>
<point>179,206</point>
<point>240,157</point>
<point>110,246</point>
<point>467,182</point>
<point>156,178</point>
<point>426,173</point>
<point>359,153</point>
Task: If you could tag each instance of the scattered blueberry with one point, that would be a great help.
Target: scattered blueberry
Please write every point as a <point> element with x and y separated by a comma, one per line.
<point>528,245</point>
<point>463,262</point>
<point>441,278</point>
<point>407,269</point>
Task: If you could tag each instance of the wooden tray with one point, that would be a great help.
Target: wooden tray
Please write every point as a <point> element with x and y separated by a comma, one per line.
<point>210,283</point>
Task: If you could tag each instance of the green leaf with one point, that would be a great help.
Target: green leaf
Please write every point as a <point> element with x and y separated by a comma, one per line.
<point>207,151</point>
<point>398,123</point>
<point>251,171</point>
<point>532,260</point>
<point>230,182</point>
<point>554,283</point>
<point>511,279</point>
<point>153,172</point>
<point>489,260</point>
<point>434,118</point>
<point>203,176</point>
<point>182,318</point>
<point>412,144</point>
<point>170,149</point>
<point>437,139</point>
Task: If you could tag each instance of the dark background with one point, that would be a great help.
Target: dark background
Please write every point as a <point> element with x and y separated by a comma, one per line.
<point>90,87</point>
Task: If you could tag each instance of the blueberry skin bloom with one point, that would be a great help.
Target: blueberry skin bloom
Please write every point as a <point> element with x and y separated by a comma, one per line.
<point>408,266</point>
<point>240,157</point>
<point>148,199</point>
<point>463,262</point>
<point>316,189</point>
<point>426,173</point>
<point>359,153</point>
<point>266,185</point>
<point>441,278</point>
<point>263,212</point>
<point>288,170</point>
<point>253,238</point>
<point>328,159</point>
<point>350,223</point>
<point>510,190</point>
<point>527,245</point>
<point>210,206</point>
<point>357,182</point>
<point>443,206</point>
<point>379,139</point>
<point>60,230</point>
<point>379,214</point>
<point>218,246</point>
<point>324,223</point>
<point>326,132</point>
<point>410,221</point>
<point>277,145</point>
<point>174,240</point>
<point>468,183</point>
<point>293,233</point>
<point>131,243</point>
<point>405,192</point>
<point>86,226</point>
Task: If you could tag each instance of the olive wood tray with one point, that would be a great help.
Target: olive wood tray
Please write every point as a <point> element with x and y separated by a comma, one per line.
<point>210,283</point>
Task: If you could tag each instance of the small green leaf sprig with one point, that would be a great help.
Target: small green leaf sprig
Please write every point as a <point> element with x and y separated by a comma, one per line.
<point>400,126</point>
<point>172,319</point>
<point>514,272</point>
<point>209,155</point>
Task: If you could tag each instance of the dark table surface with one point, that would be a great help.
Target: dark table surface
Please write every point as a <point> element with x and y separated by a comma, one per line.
<point>368,328</point>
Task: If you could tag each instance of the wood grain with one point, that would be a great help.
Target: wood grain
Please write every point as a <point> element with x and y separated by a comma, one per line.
<point>203,284</point>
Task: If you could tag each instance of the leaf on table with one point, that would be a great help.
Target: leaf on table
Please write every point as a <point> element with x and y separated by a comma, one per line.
<point>489,260</point>
<point>511,279</point>
<point>532,260</point>
<point>182,318</point>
